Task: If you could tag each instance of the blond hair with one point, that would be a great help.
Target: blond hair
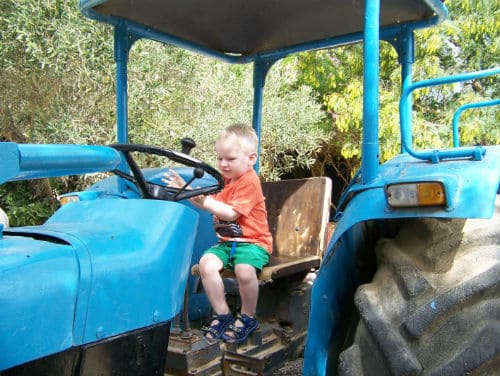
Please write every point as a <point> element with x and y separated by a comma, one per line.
<point>246,136</point>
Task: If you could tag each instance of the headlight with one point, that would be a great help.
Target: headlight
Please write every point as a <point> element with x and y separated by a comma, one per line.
<point>416,194</point>
<point>63,200</point>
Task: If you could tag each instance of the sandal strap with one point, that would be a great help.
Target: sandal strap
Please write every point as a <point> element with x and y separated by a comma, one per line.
<point>246,320</point>
<point>222,317</point>
<point>218,329</point>
<point>242,332</point>
<point>210,329</point>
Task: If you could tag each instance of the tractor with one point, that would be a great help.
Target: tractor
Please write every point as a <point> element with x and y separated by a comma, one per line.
<point>402,279</point>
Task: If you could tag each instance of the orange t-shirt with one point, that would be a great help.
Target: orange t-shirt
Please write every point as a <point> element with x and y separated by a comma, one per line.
<point>245,196</point>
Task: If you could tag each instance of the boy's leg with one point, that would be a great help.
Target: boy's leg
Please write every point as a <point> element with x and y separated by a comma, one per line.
<point>210,266</point>
<point>249,294</point>
<point>248,258</point>
<point>248,287</point>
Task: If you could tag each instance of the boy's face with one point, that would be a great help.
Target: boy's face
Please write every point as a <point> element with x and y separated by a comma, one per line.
<point>233,160</point>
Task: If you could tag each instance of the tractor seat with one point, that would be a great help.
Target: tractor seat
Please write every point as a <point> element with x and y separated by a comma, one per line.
<point>298,216</point>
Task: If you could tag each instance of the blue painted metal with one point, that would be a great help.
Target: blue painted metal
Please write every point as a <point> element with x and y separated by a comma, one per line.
<point>123,42</point>
<point>34,161</point>
<point>259,79</point>
<point>99,268</point>
<point>458,112</point>
<point>86,195</point>
<point>205,237</point>
<point>39,285</point>
<point>122,48</point>
<point>261,68</point>
<point>337,280</point>
<point>9,161</point>
<point>407,59</point>
<point>100,250</point>
<point>370,145</point>
<point>436,155</point>
<point>331,302</point>
<point>204,233</point>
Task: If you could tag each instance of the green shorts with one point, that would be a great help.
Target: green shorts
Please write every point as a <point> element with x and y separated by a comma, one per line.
<point>244,253</point>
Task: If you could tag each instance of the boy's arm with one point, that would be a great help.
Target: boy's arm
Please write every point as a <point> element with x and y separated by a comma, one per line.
<point>217,208</point>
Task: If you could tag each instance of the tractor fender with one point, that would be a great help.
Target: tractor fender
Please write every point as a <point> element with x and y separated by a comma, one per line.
<point>473,187</point>
<point>94,270</point>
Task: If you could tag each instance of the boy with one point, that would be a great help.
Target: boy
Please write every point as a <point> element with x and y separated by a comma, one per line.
<point>240,222</point>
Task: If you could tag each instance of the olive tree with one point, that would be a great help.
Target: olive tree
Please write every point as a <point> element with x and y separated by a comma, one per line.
<point>58,86</point>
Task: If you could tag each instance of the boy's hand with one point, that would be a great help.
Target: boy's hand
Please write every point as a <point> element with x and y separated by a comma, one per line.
<point>199,201</point>
<point>172,179</point>
<point>218,208</point>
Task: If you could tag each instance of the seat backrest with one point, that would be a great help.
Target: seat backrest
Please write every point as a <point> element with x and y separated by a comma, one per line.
<point>298,214</point>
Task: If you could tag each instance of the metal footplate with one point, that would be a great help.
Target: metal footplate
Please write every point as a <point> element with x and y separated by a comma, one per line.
<point>264,351</point>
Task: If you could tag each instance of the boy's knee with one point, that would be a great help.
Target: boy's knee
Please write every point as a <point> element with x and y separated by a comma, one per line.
<point>245,273</point>
<point>210,264</point>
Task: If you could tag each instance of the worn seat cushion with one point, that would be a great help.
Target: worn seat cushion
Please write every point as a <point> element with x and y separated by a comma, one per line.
<point>298,216</point>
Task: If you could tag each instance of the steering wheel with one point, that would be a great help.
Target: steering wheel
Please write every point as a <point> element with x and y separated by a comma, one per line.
<point>156,191</point>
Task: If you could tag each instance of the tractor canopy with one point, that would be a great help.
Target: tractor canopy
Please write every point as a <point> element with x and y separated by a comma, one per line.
<point>242,30</point>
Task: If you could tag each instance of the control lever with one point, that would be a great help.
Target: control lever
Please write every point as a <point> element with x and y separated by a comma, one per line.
<point>187,144</point>
<point>197,174</point>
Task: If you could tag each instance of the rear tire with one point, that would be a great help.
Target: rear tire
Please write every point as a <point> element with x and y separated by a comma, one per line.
<point>433,306</point>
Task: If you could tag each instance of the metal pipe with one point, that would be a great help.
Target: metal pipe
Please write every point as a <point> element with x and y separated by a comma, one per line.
<point>458,112</point>
<point>406,59</point>
<point>436,155</point>
<point>121,60</point>
<point>36,161</point>
<point>260,69</point>
<point>370,146</point>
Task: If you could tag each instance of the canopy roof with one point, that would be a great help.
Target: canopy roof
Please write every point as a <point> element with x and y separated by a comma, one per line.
<point>251,27</point>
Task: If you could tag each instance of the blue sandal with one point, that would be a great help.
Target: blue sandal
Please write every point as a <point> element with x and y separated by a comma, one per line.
<point>241,333</point>
<point>217,330</point>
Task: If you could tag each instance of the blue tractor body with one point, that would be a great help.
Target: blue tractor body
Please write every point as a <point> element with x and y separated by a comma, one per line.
<point>94,270</point>
<point>339,275</point>
<point>116,264</point>
<point>97,270</point>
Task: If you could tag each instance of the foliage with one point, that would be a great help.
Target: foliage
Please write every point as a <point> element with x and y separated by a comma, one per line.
<point>468,41</point>
<point>57,86</point>
<point>200,96</point>
<point>56,77</point>
<point>23,208</point>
